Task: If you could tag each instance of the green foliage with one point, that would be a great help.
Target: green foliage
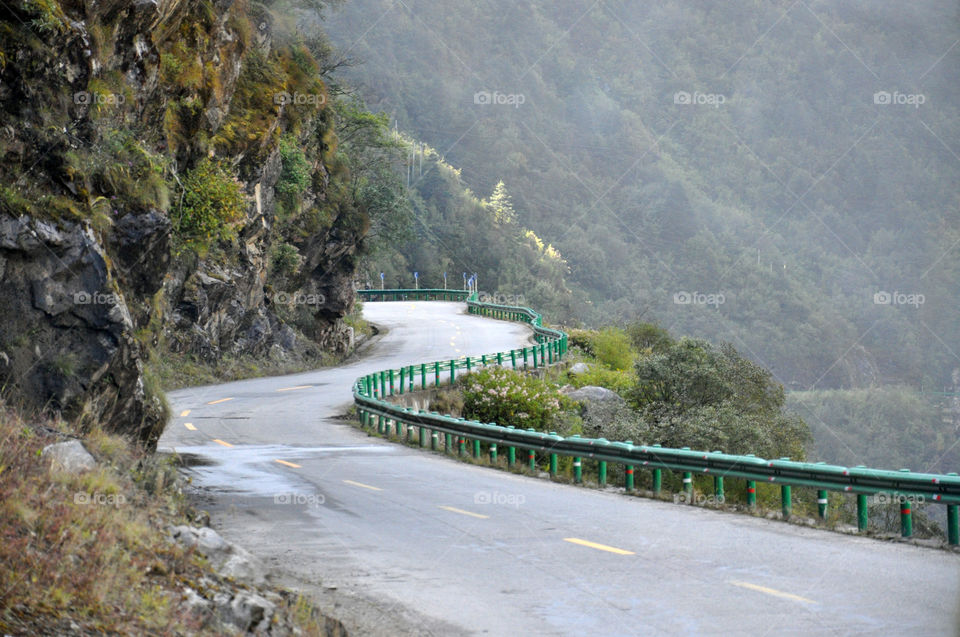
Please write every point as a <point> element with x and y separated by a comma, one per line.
<point>648,337</point>
<point>212,204</point>
<point>125,171</point>
<point>646,197</point>
<point>295,176</point>
<point>284,260</point>
<point>507,397</point>
<point>698,395</point>
<point>889,428</point>
<point>612,347</point>
<point>502,205</point>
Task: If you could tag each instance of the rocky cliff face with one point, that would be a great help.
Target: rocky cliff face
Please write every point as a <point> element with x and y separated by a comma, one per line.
<point>108,248</point>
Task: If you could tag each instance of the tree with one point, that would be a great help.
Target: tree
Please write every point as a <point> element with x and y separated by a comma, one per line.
<point>502,205</point>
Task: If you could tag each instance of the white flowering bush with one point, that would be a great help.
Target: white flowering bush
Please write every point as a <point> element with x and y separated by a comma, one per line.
<point>507,397</point>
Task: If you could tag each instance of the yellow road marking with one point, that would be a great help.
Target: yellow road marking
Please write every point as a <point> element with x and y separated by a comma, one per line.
<point>297,387</point>
<point>289,464</point>
<point>221,442</point>
<point>462,512</point>
<point>184,413</point>
<point>189,425</point>
<point>216,402</point>
<point>599,547</point>
<point>771,591</point>
<point>365,486</point>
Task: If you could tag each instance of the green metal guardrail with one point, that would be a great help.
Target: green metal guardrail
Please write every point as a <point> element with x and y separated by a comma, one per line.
<point>426,294</point>
<point>370,393</point>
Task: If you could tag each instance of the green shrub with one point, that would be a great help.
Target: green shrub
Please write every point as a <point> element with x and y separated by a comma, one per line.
<point>295,175</point>
<point>507,397</point>
<point>212,204</point>
<point>284,260</point>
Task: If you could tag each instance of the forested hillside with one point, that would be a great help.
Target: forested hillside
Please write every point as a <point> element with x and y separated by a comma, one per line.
<point>779,175</point>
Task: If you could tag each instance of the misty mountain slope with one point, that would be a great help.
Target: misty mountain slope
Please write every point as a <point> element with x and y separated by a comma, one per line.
<point>777,164</point>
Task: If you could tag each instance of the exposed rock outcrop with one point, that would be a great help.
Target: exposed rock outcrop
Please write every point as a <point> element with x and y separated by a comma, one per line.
<point>105,107</point>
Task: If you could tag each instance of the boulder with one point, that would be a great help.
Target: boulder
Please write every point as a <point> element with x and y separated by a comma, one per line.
<point>227,558</point>
<point>578,369</point>
<point>592,393</point>
<point>71,456</point>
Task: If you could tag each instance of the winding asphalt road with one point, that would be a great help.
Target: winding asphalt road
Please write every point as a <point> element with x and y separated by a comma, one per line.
<point>430,545</point>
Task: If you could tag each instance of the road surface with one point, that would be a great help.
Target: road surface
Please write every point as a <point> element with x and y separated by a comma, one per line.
<point>400,541</point>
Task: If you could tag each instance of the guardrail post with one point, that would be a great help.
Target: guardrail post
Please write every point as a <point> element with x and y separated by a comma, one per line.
<point>577,470</point>
<point>436,370</point>
<point>391,381</point>
<point>786,503</point>
<point>434,440</point>
<point>447,443</point>
<point>822,502</point>
<point>411,378</point>
<point>524,357</point>
<point>687,482</point>
<point>409,432</point>
<point>602,473</point>
<point>453,371</point>
<point>628,477</point>
<point>513,358</point>
<point>493,453</point>
<point>468,368</point>
<point>553,465</point>
<point>751,493</point>
<point>862,512</point>
<point>462,445</point>
<point>476,449</point>
<point>423,376</point>
<point>550,353</point>
<point>500,358</point>
<point>398,424</point>
<point>718,489</point>
<point>533,350</point>
<point>657,481</point>
<point>511,456</point>
<point>532,459</point>
<point>423,436</point>
<point>402,377</point>
<point>383,384</point>
<point>906,517</point>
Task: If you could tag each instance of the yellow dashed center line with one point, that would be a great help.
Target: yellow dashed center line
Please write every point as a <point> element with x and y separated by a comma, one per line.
<point>189,425</point>
<point>771,591</point>
<point>295,388</point>
<point>362,485</point>
<point>462,512</point>
<point>599,547</point>
<point>221,442</point>
<point>289,464</point>
<point>217,402</point>
<point>184,413</point>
